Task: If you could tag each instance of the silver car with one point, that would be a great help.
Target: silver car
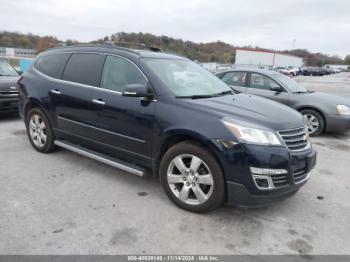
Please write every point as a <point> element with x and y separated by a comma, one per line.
<point>323,112</point>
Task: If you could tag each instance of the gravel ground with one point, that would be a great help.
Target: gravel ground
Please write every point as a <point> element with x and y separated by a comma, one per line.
<point>62,203</point>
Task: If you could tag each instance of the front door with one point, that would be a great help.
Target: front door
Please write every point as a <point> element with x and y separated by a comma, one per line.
<point>261,85</point>
<point>123,124</point>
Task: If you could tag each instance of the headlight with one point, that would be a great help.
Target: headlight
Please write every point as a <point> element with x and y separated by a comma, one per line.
<point>252,135</point>
<point>343,110</point>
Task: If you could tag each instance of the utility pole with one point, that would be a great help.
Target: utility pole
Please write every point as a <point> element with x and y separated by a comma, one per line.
<point>323,58</point>
<point>293,43</point>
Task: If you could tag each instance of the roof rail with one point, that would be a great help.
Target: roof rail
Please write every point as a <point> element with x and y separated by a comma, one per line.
<point>123,44</point>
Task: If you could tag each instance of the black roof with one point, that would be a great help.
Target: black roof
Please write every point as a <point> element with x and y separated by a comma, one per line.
<point>263,71</point>
<point>115,49</point>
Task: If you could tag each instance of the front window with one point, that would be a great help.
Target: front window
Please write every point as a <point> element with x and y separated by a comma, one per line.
<point>289,83</point>
<point>262,82</point>
<point>118,73</point>
<point>185,78</point>
<point>7,70</point>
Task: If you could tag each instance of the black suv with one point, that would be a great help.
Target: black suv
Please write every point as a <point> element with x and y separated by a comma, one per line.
<point>150,112</point>
<point>8,90</point>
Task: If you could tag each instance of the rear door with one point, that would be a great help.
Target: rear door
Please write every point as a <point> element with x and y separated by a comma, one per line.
<point>259,84</point>
<point>237,80</point>
<point>74,93</point>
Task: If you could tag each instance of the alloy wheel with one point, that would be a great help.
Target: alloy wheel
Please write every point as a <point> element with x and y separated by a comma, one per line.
<point>37,130</point>
<point>190,179</point>
<point>312,123</point>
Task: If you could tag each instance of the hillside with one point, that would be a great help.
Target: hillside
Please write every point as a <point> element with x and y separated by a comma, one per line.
<point>204,52</point>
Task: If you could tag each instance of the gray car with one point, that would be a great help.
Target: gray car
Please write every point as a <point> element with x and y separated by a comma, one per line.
<point>323,112</point>
<point>8,90</point>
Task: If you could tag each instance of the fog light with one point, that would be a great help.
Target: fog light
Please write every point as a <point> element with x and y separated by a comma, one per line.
<point>262,182</point>
<point>262,177</point>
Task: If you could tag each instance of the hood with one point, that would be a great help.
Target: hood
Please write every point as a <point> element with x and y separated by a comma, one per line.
<point>252,109</point>
<point>326,99</point>
<point>7,81</point>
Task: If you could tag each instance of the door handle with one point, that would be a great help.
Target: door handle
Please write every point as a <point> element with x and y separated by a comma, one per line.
<point>98,101</point>
<point>55,91</point>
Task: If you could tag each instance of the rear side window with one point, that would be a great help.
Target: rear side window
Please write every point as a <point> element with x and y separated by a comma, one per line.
<point>84,69</point>
<point>52,65</point>
<point>234,78</point>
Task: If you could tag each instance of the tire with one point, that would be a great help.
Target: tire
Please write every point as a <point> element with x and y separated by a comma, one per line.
<point>39,131</point>
<point>314,115</point>
<point>193,189</point>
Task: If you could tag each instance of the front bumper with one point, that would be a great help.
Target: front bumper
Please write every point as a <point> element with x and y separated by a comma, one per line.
<point>8,105</point>
<point>337,123</point>
<point>242,189</point>
<point>239,196</point>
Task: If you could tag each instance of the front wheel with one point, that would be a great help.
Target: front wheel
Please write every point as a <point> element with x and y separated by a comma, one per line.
<point>314,122</point>
<point>192,177</point>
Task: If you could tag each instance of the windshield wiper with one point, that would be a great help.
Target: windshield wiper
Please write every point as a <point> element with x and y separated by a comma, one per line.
<point>196,96</point>
<point>300,92</point>
<point>223,93</point>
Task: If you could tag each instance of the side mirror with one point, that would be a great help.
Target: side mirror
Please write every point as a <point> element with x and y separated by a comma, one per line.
<point>20,72</point>
<point>276,88</point>
<point>138,90</point>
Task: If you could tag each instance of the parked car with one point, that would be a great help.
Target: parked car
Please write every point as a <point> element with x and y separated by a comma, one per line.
<point>8,90</point>
<point>313,71</point>
<point>323,112</point>
<point>145,111</point>
<point>283,70</point>
<point>294,71</point>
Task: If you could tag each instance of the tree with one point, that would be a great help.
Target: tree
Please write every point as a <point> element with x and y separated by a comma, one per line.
<point>347,60</point>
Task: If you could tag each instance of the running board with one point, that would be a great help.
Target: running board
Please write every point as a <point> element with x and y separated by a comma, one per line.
<point>122,165</point>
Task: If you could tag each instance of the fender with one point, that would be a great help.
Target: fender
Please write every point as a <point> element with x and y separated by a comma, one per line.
<point>182,134</point>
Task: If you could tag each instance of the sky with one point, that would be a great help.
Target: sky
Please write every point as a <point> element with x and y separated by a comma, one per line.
<point>316,25</point>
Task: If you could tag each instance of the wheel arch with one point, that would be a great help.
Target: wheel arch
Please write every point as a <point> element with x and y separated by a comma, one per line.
<point>32,103</point>
<point>35,103</point>
<point>174,137</point>
<point>301,108</point>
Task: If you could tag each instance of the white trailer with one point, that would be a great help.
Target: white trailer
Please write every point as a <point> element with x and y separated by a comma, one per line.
<point>254,58</point>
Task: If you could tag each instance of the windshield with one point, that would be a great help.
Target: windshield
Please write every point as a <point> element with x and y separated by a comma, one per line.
<point>7,70</point>
<point>289,83</point>
<point>186,78</point>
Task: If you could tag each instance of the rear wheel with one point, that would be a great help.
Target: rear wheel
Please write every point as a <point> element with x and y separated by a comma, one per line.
<point>314,121</point>
<point>192,178</point>
<point>39,131</point>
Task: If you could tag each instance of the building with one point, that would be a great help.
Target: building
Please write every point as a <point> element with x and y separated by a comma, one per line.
<point>21,58</point>
<point>17,53</point>
<point>337,67</point>
<point>246,57</point>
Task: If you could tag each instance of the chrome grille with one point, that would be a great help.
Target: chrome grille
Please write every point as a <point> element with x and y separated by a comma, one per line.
<point>299,175</point>
<point>295,139</point>
<point>280,180</point>
<point>4,94</point>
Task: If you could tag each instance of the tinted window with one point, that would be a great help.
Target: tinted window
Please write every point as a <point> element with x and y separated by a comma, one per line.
<point>84,69</point>
<point>262,82</point>
<point>234,78</point>
<point>118,73</point>
<point>52,65</point>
